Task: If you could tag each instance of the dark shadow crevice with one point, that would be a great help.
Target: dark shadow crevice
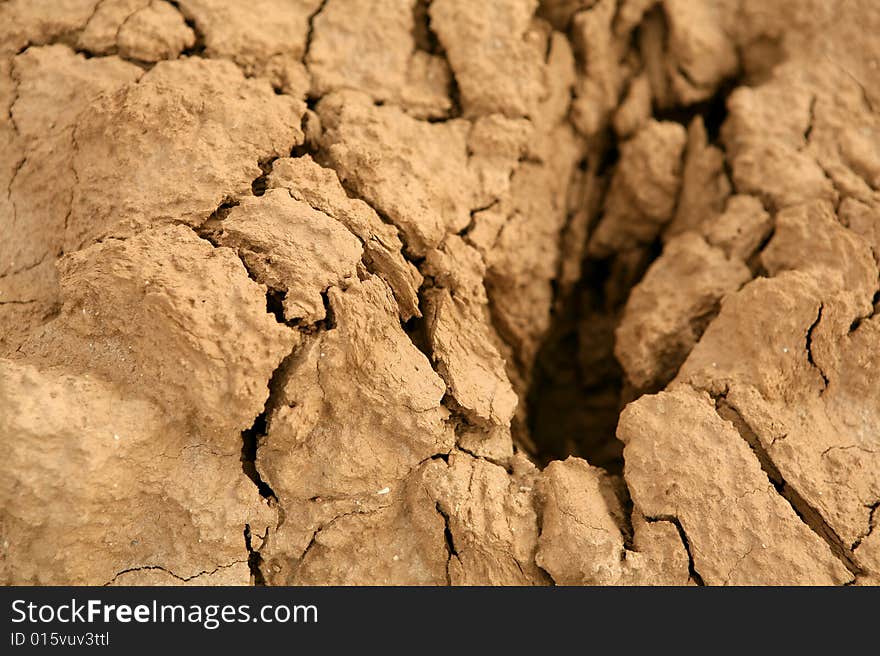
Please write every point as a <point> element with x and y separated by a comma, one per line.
<point>577,388</point>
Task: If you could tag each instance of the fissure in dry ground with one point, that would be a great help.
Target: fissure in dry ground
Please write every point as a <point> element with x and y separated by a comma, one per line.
<point>435,292</point>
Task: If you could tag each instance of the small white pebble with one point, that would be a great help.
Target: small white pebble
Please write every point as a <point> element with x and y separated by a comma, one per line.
<point>396,557</point>
<point>115,437</point>
<point>785,350</point>
<point>384,490</point>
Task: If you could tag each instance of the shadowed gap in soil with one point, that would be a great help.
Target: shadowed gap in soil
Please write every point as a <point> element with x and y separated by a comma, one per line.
<point>578,388</point>
<point>577,385</point>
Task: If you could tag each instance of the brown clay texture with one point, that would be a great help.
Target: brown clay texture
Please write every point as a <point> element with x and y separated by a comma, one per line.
<point>436,292</point>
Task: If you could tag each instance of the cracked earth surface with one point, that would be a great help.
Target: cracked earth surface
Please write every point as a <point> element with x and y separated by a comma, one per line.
<point>439,292</point>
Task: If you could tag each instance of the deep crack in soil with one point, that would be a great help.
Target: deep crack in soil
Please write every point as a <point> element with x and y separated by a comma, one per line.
<point>439,292</point>
<point>578,388</point>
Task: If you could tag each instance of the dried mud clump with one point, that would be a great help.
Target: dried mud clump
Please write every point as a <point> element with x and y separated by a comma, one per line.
<point>440,292</point>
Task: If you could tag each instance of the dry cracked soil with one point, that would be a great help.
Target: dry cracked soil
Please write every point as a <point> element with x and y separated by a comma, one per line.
<point>439,292</point>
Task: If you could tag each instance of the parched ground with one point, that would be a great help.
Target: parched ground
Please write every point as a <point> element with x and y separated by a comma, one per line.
<point>439,292</point>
